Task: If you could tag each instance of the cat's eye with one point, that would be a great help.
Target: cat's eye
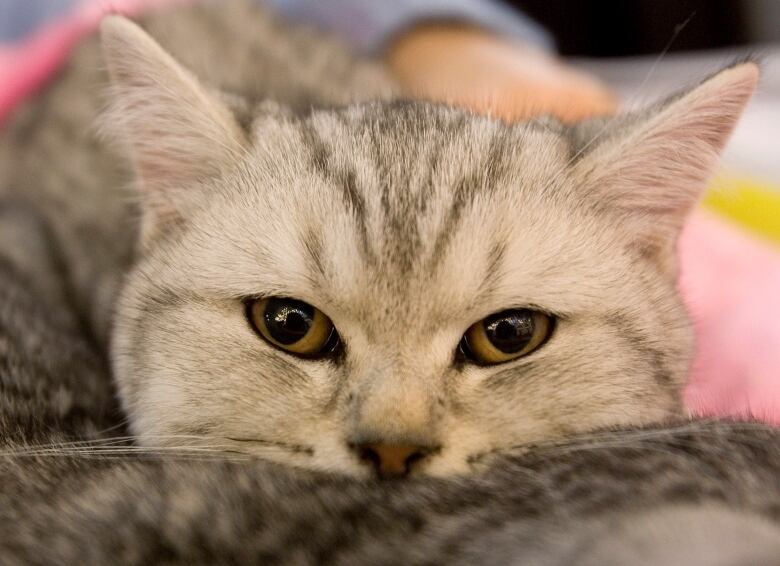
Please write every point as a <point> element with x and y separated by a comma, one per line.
<point>505,336</point>
<point>293,326</point>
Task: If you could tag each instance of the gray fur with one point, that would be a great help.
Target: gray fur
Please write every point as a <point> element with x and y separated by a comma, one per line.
<point>661,497</point>
<point>405,222</point>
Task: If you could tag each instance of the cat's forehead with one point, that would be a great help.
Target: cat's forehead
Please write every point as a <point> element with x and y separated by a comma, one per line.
<point>380,205</point>
<point>400,140</point>
<point>411,174</point>
<point>410,145</point>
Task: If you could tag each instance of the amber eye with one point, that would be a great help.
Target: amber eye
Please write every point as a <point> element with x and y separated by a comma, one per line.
<point>506,335</point>
<point>293,326</point>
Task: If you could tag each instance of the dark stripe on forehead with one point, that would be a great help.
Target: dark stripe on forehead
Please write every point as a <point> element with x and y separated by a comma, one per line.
<point>402,237</point>
<point>443,131</point>
<point>319,152</point>
<point>497,160</point>
<point>481,181</point>
<point>406,141</point>
<point>392,140</point>
<point>432,171</point>
<point>461,196</point>
<point>346,180</point>
<point>495,260</point>
<point>349,192</point>
<point>312,245</point>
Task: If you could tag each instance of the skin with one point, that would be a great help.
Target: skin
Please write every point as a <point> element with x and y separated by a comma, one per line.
<point>472,68</point>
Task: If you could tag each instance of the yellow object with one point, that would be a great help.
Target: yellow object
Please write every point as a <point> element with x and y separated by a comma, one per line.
<point>750,203</point>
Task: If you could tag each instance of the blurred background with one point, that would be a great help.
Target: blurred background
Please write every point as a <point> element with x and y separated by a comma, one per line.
<point>609,28</point>
<point>621,42</point>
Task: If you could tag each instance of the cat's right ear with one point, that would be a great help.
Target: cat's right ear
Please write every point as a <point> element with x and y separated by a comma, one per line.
<point>647,171</point>
<point>178,131</point>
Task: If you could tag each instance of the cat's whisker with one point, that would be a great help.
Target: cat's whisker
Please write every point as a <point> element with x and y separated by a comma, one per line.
<point>117,440</point>
<point>206,447</point>
<point>222,456</point>
<point>629,438</point>
<point>296,448</point>
<point>216,455</point>
<point>117,449</point>
<point>630,101</point>
<point>635,443</point>
<point>123,423</point>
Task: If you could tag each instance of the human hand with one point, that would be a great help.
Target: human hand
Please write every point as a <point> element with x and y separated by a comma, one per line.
<point>470,67</point>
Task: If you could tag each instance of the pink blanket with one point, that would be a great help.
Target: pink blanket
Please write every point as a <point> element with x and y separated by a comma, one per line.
<point>730,281</point>
<point>26,66</point>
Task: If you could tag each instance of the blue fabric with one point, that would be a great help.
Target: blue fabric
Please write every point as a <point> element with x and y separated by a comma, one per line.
<point>20,18</point>
<point>368,25</point>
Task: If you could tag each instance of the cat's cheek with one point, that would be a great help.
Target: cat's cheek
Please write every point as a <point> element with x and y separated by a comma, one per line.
<point>461,451</point>
<point>332,454</point>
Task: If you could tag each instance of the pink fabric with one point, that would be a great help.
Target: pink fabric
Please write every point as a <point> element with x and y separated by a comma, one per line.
<point>26,66</point>
<point>730,281</point>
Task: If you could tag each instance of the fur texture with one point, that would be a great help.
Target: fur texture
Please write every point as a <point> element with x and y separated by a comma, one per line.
<point>271,163</point>
<point>699,494</point>
<point>405,223</point>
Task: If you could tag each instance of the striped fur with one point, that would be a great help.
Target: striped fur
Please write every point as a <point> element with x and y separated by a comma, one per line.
<point>404,222</point>
<point>291,173</point>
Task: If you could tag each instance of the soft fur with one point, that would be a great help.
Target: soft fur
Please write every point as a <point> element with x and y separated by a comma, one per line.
<point>268,162</point>
<point>405,223</point>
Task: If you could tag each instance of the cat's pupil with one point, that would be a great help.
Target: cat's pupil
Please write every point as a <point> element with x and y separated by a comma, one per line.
<point>288,320</point>
<point>510,331</point>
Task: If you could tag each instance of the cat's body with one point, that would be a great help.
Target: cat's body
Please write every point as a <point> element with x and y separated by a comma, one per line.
<point>369,212</point>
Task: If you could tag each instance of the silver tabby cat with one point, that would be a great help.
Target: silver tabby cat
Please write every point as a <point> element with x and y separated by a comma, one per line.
<point>340,283</point>
<point>387,286</point>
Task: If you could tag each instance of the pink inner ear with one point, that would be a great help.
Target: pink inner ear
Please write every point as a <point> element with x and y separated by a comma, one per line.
<point>731,284</point>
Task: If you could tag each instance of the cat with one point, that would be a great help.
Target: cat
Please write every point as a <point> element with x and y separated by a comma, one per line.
<point>381,287</point>
<point>74,489</point>
<point>406,223</point>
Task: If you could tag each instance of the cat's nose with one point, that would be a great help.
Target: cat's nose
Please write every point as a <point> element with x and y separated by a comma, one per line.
<point>392,460</point>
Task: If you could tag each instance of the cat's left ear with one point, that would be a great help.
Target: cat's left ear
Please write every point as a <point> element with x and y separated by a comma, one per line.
<point>180,132</point>
<point>650,169</point>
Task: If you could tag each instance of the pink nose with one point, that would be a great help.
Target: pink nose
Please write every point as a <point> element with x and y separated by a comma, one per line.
<point>391,460</point>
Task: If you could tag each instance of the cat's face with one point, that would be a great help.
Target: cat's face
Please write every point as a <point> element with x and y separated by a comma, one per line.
<point>402,225</point>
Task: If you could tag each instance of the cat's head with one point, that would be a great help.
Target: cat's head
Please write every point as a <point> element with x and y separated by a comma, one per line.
<point>401,285</point>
